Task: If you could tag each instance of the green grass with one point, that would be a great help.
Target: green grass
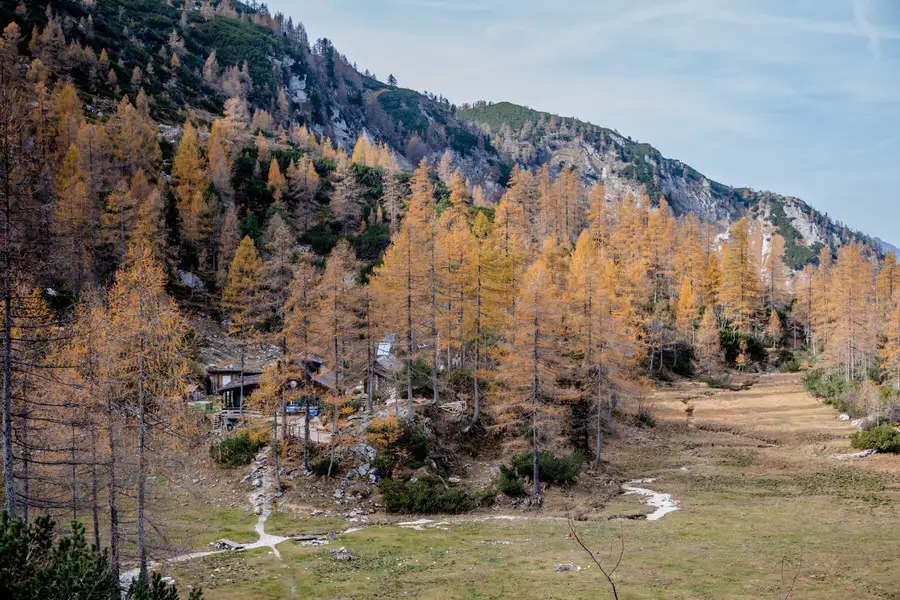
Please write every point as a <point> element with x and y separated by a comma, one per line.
<point>285,522</point>
<point>719,546</point>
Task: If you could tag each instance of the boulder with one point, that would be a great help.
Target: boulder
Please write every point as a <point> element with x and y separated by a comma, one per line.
<point>343,554</point>
<point>365,452</point>
<point>225,544</point>
<point>567,568</point>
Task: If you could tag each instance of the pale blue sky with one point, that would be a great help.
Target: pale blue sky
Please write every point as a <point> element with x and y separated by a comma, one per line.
<point>801,97</point>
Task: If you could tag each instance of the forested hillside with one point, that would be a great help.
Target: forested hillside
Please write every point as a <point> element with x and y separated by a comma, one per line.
<point>532,138</point>
<point>167,162</point>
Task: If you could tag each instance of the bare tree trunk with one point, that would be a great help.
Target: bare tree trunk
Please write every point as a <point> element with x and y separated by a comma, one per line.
<point>142,477</point>
<point>306,437</point>
<point>243,352</point>
<point>535,391</point>
<point>95,511</point>
<point>9,481</point>
<point>74,476</point>
<point>410,417</point>
<point>275,452</point>
<point>26,468</point>
<point>370,364</point>
<point>599,421</point>
<point>142,457</point>
<point>476,416</point>
<point>434,332</point>
<point>113,500</point>
<point>334,415</point>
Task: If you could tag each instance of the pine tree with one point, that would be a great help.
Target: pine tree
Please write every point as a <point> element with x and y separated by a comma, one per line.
<point>851,336</point>
<point>334,333</point>
<point>72,220</point>
<point>890,352</point>
<point>775,328</point>
<point>708,348</point>
<point>740,294</point>
<point>277,182</point>
<point>887,286</point>
<point>775,274</point>
<point>134,139</point>
<point>151,354</point>
<point>392,198</point>
<point>401,283</point>
<point>686,311</point>
<point>600,328</point>
<point>241,298</point>
<point>347,197</point>
<point>190,183</point>
<point>68,114</point>
<point>220,158</point>
<point>303,184</point>
<point>532,365</point>
<point>280,245</point>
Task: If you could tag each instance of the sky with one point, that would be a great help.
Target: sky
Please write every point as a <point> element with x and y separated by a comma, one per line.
<point>799,97</point>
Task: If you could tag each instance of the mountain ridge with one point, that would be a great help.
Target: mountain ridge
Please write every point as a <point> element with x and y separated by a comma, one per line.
<point>265,56</point>
<point>535,137</point>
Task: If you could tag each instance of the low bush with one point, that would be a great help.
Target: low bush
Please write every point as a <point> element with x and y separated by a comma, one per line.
<point>824,385</point>
<point>511,483</point>
<point>723,382</point>
<point>789,366</point>
<point>398,444</point>
<point>237,450</point>
<point>485,497</point>
<point>320,467</point>
<point>426,495</point>
<point>561,470</point>
<point>643,418</point>
<point>883,438</point>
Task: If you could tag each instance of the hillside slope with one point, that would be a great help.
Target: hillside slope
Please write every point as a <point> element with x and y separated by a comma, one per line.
<point>194,56</point>
<point>534,138</point>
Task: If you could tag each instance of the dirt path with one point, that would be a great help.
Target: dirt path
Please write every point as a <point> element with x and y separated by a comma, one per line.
<point>261,501</point>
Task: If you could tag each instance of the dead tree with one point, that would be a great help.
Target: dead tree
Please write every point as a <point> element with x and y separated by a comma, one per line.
<point>607,572</point>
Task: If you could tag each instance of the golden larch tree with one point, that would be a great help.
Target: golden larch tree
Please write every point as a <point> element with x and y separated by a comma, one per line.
<point>740,293</point>
<point>532,365</point>
<point>190,183</point>
<point>241,297</point>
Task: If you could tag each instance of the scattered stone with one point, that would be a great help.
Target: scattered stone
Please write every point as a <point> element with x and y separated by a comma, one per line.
<point>634,517</point>
<point>224,544</point>
<point>343,554</point>
<point>365,452</point>
<point>317,512</point>
<point>567,568</point>
<point>338,493</point>
<point>316,542</point>
<point>191,281</point>
<point>862,454</point>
